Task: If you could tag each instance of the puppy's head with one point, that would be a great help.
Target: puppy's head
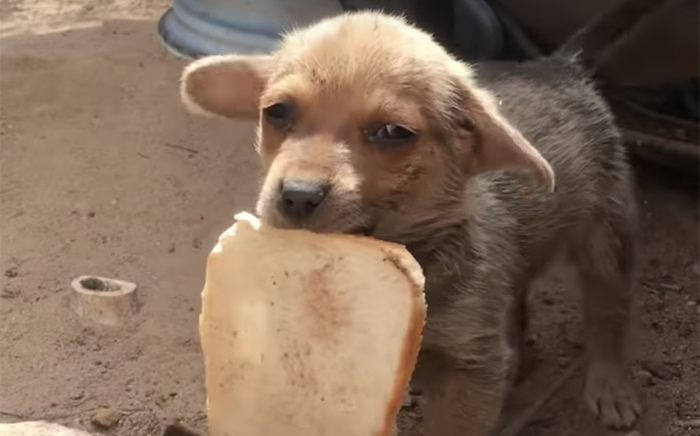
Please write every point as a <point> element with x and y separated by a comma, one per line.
<point>366,126</point>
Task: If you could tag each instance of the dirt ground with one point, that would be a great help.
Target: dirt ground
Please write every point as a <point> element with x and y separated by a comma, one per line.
<point>102,172</point>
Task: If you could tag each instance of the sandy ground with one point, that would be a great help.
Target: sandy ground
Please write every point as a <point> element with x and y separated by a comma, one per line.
<point>103,173</point>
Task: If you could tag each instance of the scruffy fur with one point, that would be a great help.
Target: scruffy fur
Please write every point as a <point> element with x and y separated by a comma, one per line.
<point>458,195</point>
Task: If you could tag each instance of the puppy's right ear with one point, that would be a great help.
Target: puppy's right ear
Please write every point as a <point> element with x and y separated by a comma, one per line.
<point>229,86</point>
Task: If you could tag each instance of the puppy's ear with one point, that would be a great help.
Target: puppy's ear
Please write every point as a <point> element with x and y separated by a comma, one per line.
<point>497,145</point>
<point>227,86</point>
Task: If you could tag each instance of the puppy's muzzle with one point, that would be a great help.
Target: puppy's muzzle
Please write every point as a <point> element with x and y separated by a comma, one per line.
<point>299,199</point>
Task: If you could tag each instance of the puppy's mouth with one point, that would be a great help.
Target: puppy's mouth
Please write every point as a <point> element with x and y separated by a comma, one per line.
<point>359,230</point>
<point>367,230</point>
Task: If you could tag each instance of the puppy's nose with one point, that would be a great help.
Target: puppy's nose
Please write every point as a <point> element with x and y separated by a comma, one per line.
<point>299,198</point>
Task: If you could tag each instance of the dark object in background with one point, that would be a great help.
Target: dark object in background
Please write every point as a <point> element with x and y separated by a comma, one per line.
<point>649,75</point>
<point>469,27</point>
<point>474,29</point>
<point>437,17</point>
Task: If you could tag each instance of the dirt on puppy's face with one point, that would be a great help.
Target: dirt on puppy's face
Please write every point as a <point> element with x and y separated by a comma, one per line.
<point>366,125</point>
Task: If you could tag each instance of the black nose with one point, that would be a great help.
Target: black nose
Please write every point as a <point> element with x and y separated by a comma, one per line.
<point>299,198</point>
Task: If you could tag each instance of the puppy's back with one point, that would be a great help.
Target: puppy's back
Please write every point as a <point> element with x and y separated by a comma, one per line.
<point>555,104</point>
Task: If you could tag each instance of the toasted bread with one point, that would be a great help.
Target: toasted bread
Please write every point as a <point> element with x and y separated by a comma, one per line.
<point>38,428</point>
<point>308,334</point>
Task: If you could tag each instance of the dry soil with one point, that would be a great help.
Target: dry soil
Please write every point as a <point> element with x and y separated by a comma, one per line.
<point>104,173</point>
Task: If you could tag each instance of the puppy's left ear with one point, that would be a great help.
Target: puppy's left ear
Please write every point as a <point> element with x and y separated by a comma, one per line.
<point>229,86</point>
<point>497,145</point>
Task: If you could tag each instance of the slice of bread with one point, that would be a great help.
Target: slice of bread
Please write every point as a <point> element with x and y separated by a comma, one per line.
<point>39,428</point>
<point>308,334</point>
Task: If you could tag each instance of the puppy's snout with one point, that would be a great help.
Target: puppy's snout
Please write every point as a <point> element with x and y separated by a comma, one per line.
<point>300,198</point>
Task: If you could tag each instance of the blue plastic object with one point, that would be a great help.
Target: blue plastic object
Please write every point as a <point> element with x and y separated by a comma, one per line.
<point>196,28</point>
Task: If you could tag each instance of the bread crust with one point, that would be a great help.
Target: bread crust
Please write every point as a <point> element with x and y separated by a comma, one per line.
<point>412,341</point>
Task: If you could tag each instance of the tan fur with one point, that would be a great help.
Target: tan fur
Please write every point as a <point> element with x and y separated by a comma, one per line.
<point>454,195</point>
<point>212,83</point>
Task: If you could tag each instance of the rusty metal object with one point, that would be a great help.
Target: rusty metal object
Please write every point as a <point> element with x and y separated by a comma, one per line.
<point>663,48</point>
<point>659,119</point>
<point>653,136</point>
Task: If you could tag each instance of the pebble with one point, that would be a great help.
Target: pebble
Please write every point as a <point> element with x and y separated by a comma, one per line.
<point>690,423</point>
<point>661,370</point>
<point>671,287</point>
<point>105,418</point>
<point>562,361</point>
<point>531,340</point>
<point>646,378</point>
<point>696,268</point>
<point>409,401</point>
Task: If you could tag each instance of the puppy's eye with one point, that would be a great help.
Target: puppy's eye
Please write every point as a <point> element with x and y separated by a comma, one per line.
<point>279,115</point>
<point>390,134</point>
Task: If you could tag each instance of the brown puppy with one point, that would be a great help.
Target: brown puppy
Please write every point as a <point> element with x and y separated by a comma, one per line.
<point>369,126</point>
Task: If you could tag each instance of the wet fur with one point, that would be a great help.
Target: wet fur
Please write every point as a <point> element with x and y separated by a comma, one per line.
<point>459,197</point>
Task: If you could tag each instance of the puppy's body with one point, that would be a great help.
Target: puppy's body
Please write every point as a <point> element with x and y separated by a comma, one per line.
<point>369,126</point>
<point>554,105</point>
<point>480,270</point>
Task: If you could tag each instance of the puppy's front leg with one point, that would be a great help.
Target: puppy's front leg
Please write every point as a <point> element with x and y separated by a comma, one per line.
<point>460,400</point>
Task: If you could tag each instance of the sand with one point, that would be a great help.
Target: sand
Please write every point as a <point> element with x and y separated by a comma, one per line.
<point>102,172</point>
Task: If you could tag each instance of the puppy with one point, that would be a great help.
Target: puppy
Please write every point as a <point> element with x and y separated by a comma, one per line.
<point>368,126</point>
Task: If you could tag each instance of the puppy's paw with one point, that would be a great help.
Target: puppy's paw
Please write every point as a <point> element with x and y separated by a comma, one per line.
<point>612,396</point>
